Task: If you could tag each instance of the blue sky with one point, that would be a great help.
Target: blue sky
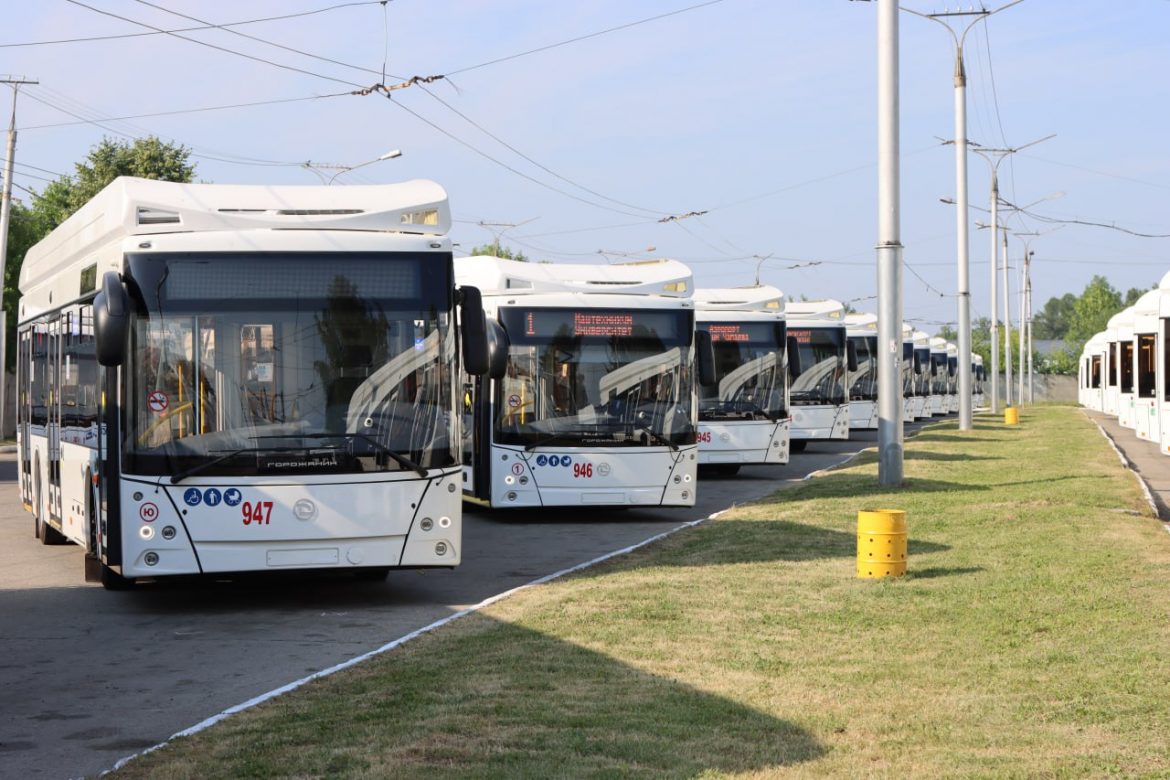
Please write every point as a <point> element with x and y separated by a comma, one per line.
<point>760,112</point>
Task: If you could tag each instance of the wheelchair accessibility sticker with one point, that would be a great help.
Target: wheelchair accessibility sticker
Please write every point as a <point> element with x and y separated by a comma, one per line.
<point>554,460</point>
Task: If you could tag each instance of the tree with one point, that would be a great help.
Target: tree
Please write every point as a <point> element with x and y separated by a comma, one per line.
<point>1052,321</point>
<point>1092,311</point>
<point>147,158</point>
<point>502,252</point>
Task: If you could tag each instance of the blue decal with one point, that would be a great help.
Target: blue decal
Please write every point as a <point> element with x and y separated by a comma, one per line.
<point>211,497</point>
<point>554,460</point>
<point>192,496</point>
<point>232,496</point>
<point>566,461</point>
<point>541,460</point>
<point>419,344</point>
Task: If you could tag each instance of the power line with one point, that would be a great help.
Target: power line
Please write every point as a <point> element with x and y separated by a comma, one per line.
<point>503,164</point>
<point>544,168</point>
<point>192,110</point>
<point>214,46</point>
<point>582,37</point>
<point>224,28</point>
<point>188,29</point>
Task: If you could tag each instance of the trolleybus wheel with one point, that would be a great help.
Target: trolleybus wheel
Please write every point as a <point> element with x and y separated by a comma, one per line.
<point>45,532</point>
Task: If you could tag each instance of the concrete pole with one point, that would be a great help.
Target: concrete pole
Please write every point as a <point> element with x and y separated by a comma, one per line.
<point>964,244</point>
<point>1007,327</point>
<point>1031,347</point>
<point>994,288</point>
<point>889,253</point>
<point>5,216</point>
<point>1023,319</point>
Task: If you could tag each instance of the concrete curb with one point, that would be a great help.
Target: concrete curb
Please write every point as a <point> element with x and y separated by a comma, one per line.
<point>7,448</point>
<point>1130,467</point>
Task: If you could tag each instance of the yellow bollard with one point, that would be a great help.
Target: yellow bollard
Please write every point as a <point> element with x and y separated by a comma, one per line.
<point>881,543</point>
<point>1011,415</point>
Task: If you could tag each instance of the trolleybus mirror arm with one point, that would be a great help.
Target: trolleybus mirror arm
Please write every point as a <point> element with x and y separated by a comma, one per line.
<point>705,357</point>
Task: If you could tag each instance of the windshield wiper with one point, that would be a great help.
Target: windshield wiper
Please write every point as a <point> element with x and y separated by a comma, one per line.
<point>175,478</point>
<point>655,436</point>
<point>397,457</point>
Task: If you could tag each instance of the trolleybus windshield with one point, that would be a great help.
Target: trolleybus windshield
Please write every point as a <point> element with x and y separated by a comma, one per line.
<point>592,376</point>
<point>822,363</point>
<point>749,371</point>
<point>863,382</point>
<point>273,364</point>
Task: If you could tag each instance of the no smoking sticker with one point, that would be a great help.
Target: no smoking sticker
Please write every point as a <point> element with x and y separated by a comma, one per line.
<point>513,400</point>
<point>157,401</point>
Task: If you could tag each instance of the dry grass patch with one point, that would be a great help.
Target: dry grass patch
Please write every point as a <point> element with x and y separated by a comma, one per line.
<point>1029,639</point>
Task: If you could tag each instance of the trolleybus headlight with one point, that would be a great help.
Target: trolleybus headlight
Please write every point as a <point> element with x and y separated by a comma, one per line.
<point>523,480</point>
<point>508,480</point>
<point>686,478</point>
<point>168,532</point>
<point>151,558</point>
<point>426,524</point>
<point>677,478</point>
<point>511,495</point>
<point>146,532</point>
<point>440,548</point>
<point>444,522</point>
<point>686,494</point>
<point>451,487</point>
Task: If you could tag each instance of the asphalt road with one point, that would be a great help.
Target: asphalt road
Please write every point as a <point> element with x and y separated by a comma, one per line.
<point>89,676</point>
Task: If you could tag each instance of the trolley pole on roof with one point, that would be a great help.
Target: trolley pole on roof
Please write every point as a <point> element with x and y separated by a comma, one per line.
<point>889,253</point>
<point>5,215</point>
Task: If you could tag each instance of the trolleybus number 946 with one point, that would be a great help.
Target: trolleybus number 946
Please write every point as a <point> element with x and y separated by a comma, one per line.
<point>258,512</point>
<point>584,470</point>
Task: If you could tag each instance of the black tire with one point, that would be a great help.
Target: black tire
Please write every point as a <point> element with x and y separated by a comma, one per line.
<point>797,445</point>
<point>372,574</point>
<point>727,469</point>
<point>48,535</point>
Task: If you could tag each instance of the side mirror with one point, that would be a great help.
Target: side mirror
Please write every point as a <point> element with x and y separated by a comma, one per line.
<point>498,344</point>
<point>792,347</point>
<point>474,331</point>
<point>851,355</point>
<point>917,363</point>
<point>111,321</point>
<point>705,358</point>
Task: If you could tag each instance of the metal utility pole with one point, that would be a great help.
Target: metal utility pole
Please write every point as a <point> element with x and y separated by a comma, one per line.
<point>889,253</point>
<point>994,157</point>
<point>1007,326</point>
<point>5,212</point>
<point>1023,320</point>
<point>504,227</point>
<point>1026,310</point>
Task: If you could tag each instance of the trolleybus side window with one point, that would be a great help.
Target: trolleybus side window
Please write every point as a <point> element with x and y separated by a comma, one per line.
<point>1147,360</point>
<point>822,363</point>
<point>1095,372</point>
<point>1126,365</point>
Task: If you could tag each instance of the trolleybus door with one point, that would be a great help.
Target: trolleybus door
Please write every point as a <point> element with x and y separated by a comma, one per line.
<point>53,368</point>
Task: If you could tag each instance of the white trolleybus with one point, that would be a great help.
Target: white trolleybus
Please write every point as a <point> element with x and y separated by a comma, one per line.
<point>939,380</point>
<point>1121,333</point>
<point>861,331</point>
<point>597,402</point>
<point>1147,354</point>
<point>818,362</point>
<point>923,376</point>
<point>245,378</point>
<point>743,416</point>
<point>978,381</point>
<point>1092,371</point>
<point>952,378</point>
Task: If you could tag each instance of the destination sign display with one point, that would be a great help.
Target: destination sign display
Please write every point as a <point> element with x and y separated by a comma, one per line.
<point>545,324</point>
<point>767,333</point>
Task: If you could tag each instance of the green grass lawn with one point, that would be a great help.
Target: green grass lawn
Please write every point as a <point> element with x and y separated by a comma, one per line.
<point>1029,639</point>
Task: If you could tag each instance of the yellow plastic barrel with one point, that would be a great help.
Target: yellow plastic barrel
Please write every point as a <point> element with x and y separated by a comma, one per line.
<point>881,543</point>
<point>1011,415</point>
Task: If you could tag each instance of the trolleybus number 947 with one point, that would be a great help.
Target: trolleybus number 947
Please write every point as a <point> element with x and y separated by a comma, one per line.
<point>258,512</point>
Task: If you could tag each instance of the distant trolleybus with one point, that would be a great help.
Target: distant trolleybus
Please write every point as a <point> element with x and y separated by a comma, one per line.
<point>861,330</point>
<point>819,361</point>
<point>596,405</point>
<point>221,378</point>
<point>743,416</point>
